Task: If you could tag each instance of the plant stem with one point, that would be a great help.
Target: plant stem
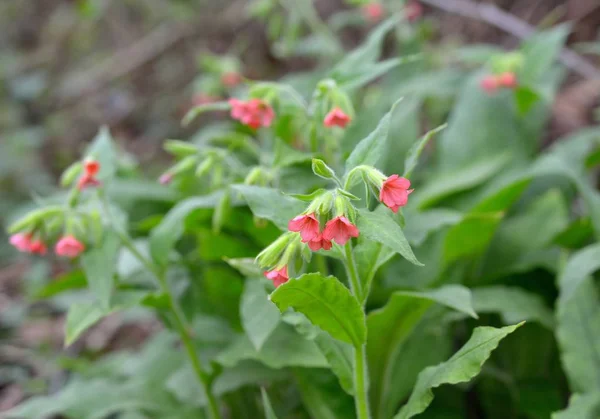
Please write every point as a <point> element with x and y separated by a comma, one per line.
<point>184,330</point>
<point>361,398</point>
<point>361,395</point>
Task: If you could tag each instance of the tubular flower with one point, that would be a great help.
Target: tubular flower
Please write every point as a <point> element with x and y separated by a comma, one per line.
<point>508,80</point>
<point>319,243</point>
<point>38,247</point>
<point>307,225</point>
<point>336,118</point>
<point>394,192</point>
<point>165,178</point>
<point>489,84</point>
<point>373,12</point>
<point>413,11</point>
<point>278,276</point>
<point>90,170</point>
<point>21,241</point>
<point>69,246</point>
<point>254,113</point>
<point>339,230</point>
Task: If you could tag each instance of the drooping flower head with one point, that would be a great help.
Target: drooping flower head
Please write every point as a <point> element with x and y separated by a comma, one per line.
<point>21,241</point>
<point>305,224</point>
<point>508,80</point>
<point>319,242</point>
<point>489,84</point>
<point>339,230</point>
<point>278,276</point>
<point>231,78</point>
<point>38,247</point>
<point>254,113</point>
<point>88,179</point>
<point>373,11</point>
<point>69,246</point>
<point>413,11</point>
<point>394,192</point>
<point>336,118</point>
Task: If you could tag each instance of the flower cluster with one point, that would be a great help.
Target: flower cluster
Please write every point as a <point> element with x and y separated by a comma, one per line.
<point>66,246</point>
<point>493,82</point>
<point>336,118</point>
<point>88,178</point>
<point>254,113</point>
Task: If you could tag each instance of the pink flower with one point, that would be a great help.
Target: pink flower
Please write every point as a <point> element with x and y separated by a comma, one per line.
<point>165,178</point>
<point>373,12</point>
<point>336,118</point>
<point>231,79</point>
<point>413,11</point>
<point>254,113</point>
<point>394,192</point>
<point>278,276</point>
<point>69,246</point>
<point>38,247</point>
<point>508,79</point>
<point>319,243</point>
<point>88,179</point>
<point>489,84</point>
<point>340,230</point>
<point>91,167</point>
<point>22,242</point>
<point>307,225</point>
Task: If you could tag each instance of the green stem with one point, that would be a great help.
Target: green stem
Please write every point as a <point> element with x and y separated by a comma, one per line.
<point>361,391</point>
<point>361,399</point>
<point>184,330</point>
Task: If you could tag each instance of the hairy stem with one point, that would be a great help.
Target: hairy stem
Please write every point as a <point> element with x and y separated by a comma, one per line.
<point>183,329</point>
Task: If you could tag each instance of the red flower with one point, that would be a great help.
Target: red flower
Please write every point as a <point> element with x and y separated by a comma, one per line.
<point>336,118</point>
<point>38,247</point>
<point>69,246</point>
<point>307,225</point>
<point>340,230</point>
<point>165,178</point>
<point>394,192</point>
<point>490,84</point>
<point>373,12</point>
<point>508,79</point>
<point>278,276</point>
<point>91,167</point>
<point>231,79</point>
<point>22,242</point>
<point>413,11</point>
<point>319,243</point>
<point>254,113</point>
<point>88,179</point>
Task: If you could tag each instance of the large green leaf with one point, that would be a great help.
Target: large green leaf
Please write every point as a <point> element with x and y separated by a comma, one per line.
<point>373,149</point>
<point>514,305</point>
<point>540,52</point>
<point>164,237</point>
<point>99,265</point>
<point>412,157</point>
<point>271,204</point>
<point>581,406</point>
<point>471,236</point>
<point>578,335</point>
<point>259,315</point>
<point>269,413</point>
<point>380,227</point>
<point>461,367</point>
<point>327,303</point>
<point>339,355</point>
<point>421,224</point>
<point>390,326</point>
<point>284,348</point>
<point>579,266</point>
<point>103,150</point>
<point>321,395</point>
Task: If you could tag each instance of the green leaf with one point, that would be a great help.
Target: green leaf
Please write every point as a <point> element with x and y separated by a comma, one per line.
<point>99,265</point>
<point>581,406</point>
<point>380,227</point>
<point>259,315</point>
<point>288,156</point>
<point>471,236</point>
<point>327,303</point>
<point>374,148</point>
<point>514,305</point>
<point>460,179</point>
<point>412,158</point>
<point>370,256</point>
<point>373,71</point>
<point>271,204</point>
<point>390,326</point>
<point>421,224</point>
<point>321,395</point>
<point>339,355</point>
<point>461,367</point>
<point>579,266</point>
<point>197,110</point>
<point>269,413</point>
<point>541,51</point>
<point>103,150</point>
<point>284,348</point>
<point>578,334</point>
<point>525,98</point>
<point>164,236</point>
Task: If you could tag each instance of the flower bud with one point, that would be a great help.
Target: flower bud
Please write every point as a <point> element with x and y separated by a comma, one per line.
<point>205,166</point>
<point>270,256</point>
<point>221,211</point>
<point>180,148</point>
<point>320,168</point>
<point>70,174</point>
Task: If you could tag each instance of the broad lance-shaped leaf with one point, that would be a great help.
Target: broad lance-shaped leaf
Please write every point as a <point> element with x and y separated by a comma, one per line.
<point>373,149</point>
<point>321,395</point>
<point>581,406</point>
<point>103,150</point>
<point>460,368</point>
<point>390,326</point>
<point>579,266</point>
<point>380,227</point>
<point>269,413</point>
<point>99,266</point>
<point>271,204</point>
<point>327,303</point>
<point>578,335</point>
<point>339,355</point>
<point>164,236</point>
<point>412,157</point>
<point>259,315</point>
